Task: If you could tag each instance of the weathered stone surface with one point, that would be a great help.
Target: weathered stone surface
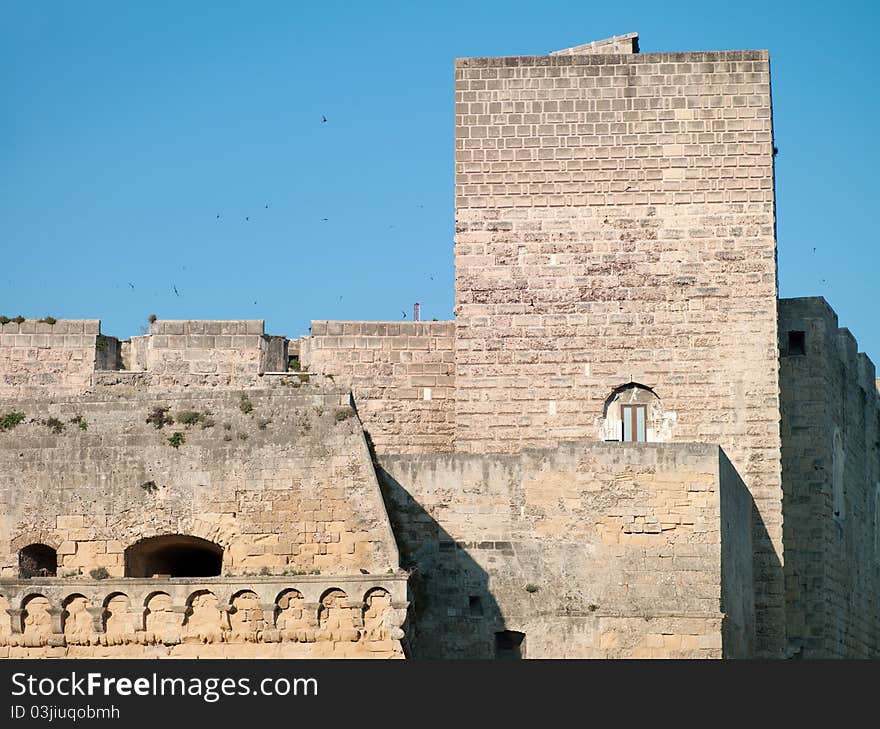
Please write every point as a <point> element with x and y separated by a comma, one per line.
<point>591,550</point>
<point>614,224</point>
<point>220,617</point>
<point>831,485</point>
<point>402,375</point>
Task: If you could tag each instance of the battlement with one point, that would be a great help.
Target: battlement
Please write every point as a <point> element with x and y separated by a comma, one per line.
<point>830,411</point>
<point>813,317</point>
<point>38,356</point>
<point>65,356</point>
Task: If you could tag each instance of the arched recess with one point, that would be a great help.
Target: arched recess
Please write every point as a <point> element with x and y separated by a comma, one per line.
<point>377,614</point>
<point>115,616</point>
<point>634,413</point>
<point>158,614</point>
<point>245,613</point>
<point>290,612</point>
<point>76,622</point>
<point>37,560</point>
<point>175,555</point>
<point>35,618</point>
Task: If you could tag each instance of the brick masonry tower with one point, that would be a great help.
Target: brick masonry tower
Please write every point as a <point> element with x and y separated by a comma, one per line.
<point>615,224</point>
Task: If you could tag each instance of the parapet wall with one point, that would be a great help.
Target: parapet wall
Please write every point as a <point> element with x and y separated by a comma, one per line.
<point>41,359</point>
<point>591,550</point>
<point>831,482</point>
<point>206,347</point>
<point>402,375</point>
<point>49,359</point>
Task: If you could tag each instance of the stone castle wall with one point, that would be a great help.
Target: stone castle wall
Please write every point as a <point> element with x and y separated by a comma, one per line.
<point>591,550</point>
<point>831,482</point>
<point>208,347</point>
<point>278,479</point>
<point>286,486</point>
<point>615,224</point>
<point>402,376</point>
<point>62,358</point>
<point>36,357</point>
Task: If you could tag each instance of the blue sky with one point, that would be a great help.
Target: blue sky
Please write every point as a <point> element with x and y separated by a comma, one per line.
<point>126,128</point>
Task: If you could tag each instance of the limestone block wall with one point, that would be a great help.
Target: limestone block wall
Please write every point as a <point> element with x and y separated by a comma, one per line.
<point>402,375</point>
<point>133,353</point>
<point>45,358</point>
<point>831,483</point>
<point>280,478</point>
<point>207,347</point>
<point>614,224</point>
<point>590,550</point>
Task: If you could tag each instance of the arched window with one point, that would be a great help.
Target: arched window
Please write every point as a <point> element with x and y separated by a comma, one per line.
<point>37,560</point>
<point>633,414</point>
<point>175,555</point>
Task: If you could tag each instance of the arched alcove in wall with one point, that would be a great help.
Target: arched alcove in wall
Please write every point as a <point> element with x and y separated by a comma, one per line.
<point>634,413</point>
<point>175,555</point>
<point>37,560</point>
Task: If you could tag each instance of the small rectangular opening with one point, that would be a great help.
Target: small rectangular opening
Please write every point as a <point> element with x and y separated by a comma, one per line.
<point>797,343</point>
<point>475,605</point>
<point>509,644</point>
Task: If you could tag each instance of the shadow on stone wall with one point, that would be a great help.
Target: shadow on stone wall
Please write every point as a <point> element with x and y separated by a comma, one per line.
<point>452,613</point>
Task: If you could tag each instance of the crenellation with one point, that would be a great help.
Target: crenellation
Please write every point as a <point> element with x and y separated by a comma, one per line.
<point>831,468</point>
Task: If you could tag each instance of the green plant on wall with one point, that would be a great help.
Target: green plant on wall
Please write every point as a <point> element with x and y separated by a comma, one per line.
<point>80,422</point>
<point>158,417</point>
<point>195,417</point>
<point>10,420</point>
<point>54,424</point>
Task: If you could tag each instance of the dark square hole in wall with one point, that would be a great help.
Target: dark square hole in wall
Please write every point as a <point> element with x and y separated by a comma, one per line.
<point>476,606</point>
<point>797,343</point>
<point>509,644</point>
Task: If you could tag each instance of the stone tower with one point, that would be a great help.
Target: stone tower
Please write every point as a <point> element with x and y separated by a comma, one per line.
<point>615,228</point>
